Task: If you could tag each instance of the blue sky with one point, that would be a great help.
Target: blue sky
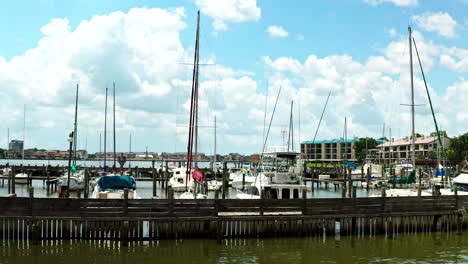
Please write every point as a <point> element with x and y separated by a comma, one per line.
<point>356,29</point>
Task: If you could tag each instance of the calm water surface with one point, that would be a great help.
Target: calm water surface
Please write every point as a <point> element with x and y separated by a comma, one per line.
<point>414,248</point>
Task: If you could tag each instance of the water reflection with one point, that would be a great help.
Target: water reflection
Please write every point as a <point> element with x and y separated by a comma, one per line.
<point>419,248</point>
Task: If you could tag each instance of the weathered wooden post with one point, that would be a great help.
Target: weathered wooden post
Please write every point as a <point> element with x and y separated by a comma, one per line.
<point>343,191</point>
<point>419,182</point>
<point>124,228</point>
<point>153,173</point>
<point>86,187</point>
<point>125,204</point>
<point>225,176</point>
<point>13,187</point>
<point>383,192</point>
<point>354,192</point>
<point>243,181</point>
<point>48,180</point>
<point>350,182</point>
<point>367,178</point>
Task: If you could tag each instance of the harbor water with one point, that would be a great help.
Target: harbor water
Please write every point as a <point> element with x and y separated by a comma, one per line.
<point>403,248</point>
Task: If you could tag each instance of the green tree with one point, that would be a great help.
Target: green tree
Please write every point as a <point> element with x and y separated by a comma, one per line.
<point>361,145</point>
<point>458,149</point>
<point>443,133</point>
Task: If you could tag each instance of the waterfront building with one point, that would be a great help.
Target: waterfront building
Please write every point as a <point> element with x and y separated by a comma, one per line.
<point>16,145</point>
<point>400,150</point>
<point>334,150</point>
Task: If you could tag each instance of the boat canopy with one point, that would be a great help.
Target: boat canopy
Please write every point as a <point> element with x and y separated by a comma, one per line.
<point>116,182</point>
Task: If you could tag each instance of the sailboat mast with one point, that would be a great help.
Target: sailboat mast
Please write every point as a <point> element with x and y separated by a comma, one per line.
<point>130,151</point>
<point>214,159</point>
<point>114,129</point>
<point>194,97</point>
<point>75,135</point>
<point>290,139</point>
<point>413,139</point>
<point>105,131</point>
<point>24,131</point>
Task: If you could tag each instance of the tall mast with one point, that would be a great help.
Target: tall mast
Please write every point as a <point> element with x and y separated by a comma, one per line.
<point>8,145</point>
<point>75,135</point>
<point>24,130</point>
<point>291,132</point>
<point>193,103</point>
<point>214,159</point>
<point>100,149</point>
<point>130,151</point>
<point>413,139</point>
<point>345,137</point>
<point>114,129</point>
<point>105,131</point>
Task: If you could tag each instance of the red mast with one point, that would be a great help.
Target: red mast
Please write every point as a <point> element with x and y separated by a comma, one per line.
<point>193,106</point>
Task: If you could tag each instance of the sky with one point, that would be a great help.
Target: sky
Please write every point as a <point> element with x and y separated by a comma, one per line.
<point>250,50</point>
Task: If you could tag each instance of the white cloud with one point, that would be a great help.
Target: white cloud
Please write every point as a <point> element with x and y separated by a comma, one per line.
<point>441,23</point>
<point>142,52</point>
<point>277,31</point>
<point>392,32</point>
<point>395,2</point>
<point>231,11</point>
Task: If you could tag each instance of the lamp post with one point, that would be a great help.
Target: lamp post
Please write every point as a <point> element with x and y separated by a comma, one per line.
<point>70,140</point>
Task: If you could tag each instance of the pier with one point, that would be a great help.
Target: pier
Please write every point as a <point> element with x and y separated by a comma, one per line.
<point>127,220</point>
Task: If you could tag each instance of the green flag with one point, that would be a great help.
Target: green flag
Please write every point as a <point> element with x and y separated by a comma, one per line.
<point>73,167</point>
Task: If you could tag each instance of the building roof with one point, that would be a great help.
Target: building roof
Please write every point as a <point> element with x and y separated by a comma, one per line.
<point>407,141</point>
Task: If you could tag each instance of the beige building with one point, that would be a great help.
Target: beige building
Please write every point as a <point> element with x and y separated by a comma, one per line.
<point>425,148</point>
<point>329,150</point>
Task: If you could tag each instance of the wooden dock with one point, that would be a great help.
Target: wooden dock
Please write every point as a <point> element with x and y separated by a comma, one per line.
<point>154,219</point>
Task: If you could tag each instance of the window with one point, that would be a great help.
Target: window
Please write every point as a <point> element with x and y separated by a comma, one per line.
<point>274,194</point>
<point>296,194</point>
<point>285,194</point>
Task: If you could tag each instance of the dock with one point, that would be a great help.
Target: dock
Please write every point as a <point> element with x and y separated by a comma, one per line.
<point>127,220</point>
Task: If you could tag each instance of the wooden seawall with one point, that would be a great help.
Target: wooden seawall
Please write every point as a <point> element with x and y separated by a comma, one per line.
<point>152,219</point>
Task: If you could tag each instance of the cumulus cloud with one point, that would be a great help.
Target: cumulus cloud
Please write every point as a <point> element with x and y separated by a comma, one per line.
<point>277,31</point>
<point>229,11</point>
<point>395,2</point>
<point>441,23</point>
<point>142,52</point>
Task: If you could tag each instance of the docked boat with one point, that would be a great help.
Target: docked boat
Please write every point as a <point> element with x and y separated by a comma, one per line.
<point>113,187</point>
<point>21,178</point>
<point>376,171</point>
<point>77,182</point>
<point>179,182</point>
<point>461,181</point>
<point>243,178</point>
<point>282,179</point>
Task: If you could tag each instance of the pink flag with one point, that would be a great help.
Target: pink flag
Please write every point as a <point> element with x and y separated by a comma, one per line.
<point>197,175</point>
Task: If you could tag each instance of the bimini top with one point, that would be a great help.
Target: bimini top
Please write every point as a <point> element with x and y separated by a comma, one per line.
<point>116,182</point>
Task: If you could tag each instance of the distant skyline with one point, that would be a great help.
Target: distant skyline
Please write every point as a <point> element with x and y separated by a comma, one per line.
<point>249,48</point>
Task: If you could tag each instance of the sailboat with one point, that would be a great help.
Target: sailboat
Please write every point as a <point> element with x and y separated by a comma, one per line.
<point>113,185</point>
<point>22,177</point>
<point>193,175</point>
<point>281,176</point>
<point>76,176</point>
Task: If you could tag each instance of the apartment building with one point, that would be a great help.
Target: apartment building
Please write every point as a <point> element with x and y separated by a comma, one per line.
<point>329,150</point>
<point>425,148</point>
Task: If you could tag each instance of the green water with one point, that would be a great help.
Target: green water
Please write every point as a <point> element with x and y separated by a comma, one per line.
<point>412,248</point>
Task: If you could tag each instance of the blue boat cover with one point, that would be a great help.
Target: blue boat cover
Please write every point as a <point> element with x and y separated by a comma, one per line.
<point>350,164</point>
<point>116,182</point>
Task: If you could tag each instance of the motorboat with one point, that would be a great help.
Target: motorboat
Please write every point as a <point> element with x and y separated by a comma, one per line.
<point>214,185</point>
<point>21,178</point>
<point>113,187</point>
<point>280,179</point>
<point>376,171</point>
<point>179,182</point>
<point>243,178</point>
